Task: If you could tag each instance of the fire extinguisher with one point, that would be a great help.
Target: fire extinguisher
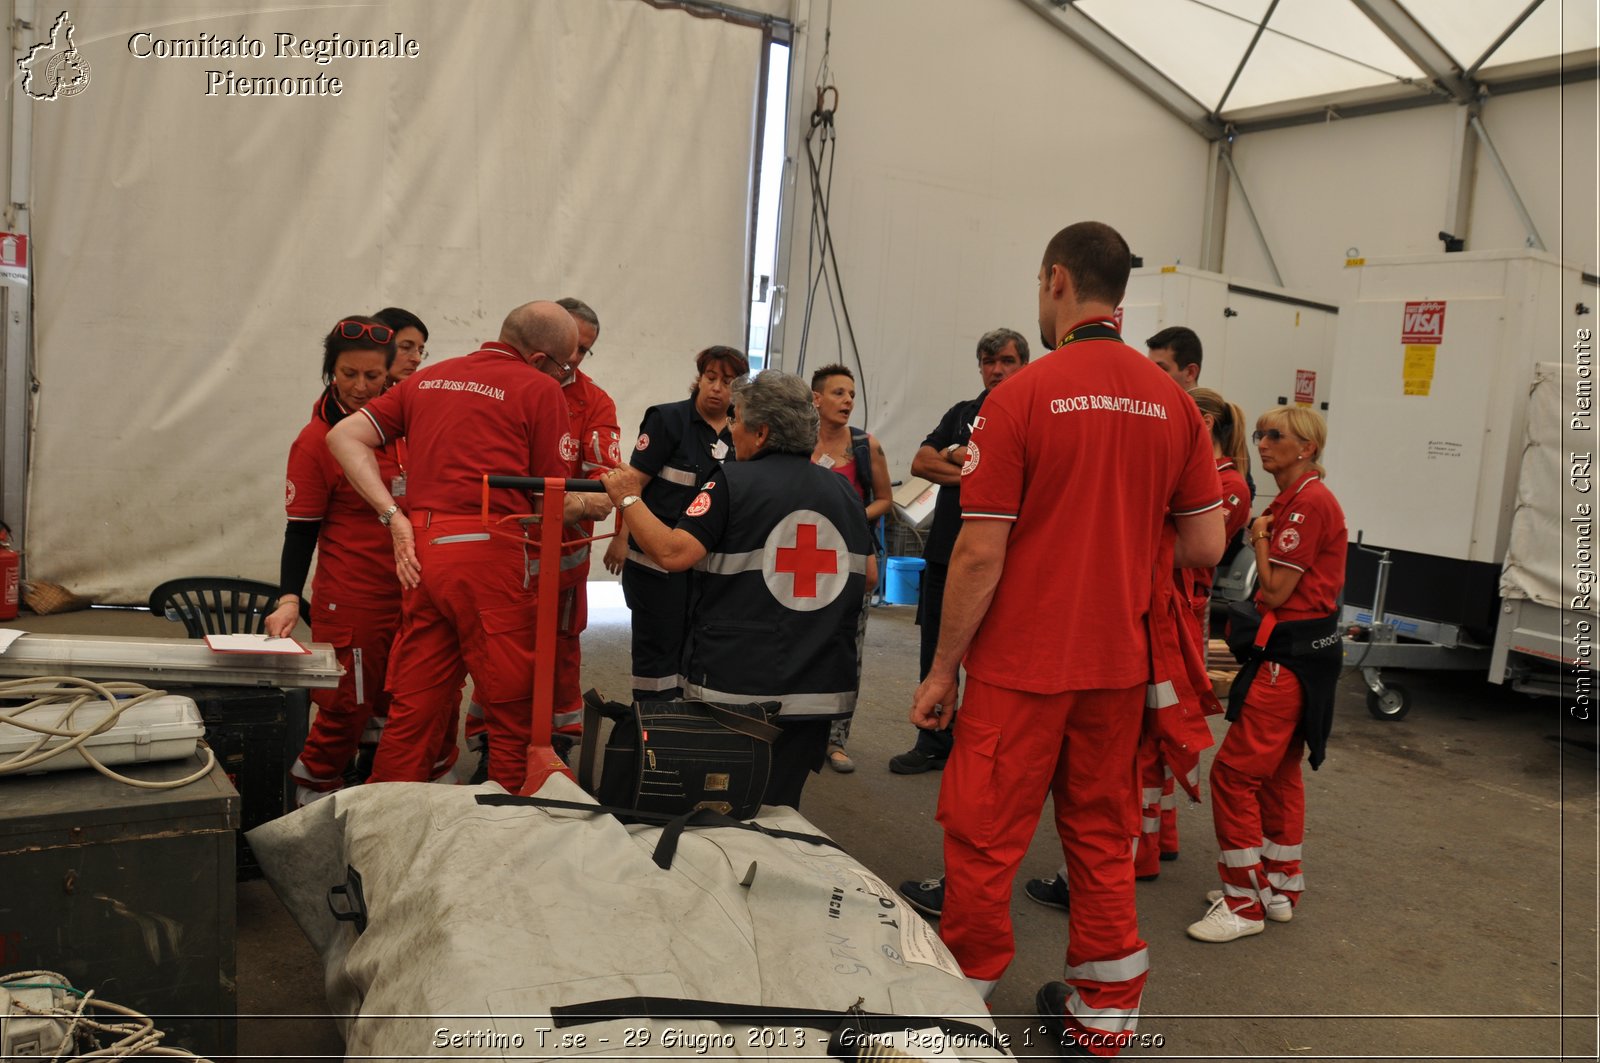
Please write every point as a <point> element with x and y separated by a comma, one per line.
<point>10,575</point>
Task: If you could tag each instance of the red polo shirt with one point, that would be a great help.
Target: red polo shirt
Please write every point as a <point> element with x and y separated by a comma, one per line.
<point>1308,535</point>
<point>1086,450</point>
<point>355,556</point>
<point>490,412</point>
<point>594,426</point>
<point>1235,498</point>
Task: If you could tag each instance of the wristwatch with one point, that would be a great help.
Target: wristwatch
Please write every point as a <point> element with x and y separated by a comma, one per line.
<point>627,500</point>
<point>388,514</point>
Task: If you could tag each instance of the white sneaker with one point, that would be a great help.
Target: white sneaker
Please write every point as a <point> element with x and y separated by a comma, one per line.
<point>1221,924</point>
<point>1278,909</point>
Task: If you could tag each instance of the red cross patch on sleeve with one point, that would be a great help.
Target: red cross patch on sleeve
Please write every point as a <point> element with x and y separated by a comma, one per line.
<point>701,503</point>
<point>644,442</point>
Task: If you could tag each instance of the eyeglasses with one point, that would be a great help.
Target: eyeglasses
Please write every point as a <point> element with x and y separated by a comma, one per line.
<point>410,350</point>
<point>1273,434</point>
<point>354,330</point>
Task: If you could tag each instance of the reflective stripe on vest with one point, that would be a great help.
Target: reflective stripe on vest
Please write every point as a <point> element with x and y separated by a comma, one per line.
<point>638,558</point>
<point>682,477</point>
<point>793,704</point>
<point>750,561</point>
<point>656,682</point>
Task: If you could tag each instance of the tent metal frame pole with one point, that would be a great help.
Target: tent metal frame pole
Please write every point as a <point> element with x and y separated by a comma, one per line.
<point>1255,223</point>
<point>1505,35</point>
<point>17,412</point>
<point>799,64</point>
<point>1534,240</point>
<point>1214,226</point>
<point>1410,37</point>
<point>1125,61</point>
<point>1463,170</point>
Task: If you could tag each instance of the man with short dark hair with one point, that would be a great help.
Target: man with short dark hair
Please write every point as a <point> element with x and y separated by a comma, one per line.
<point>1077,465</point>
<point>1177,351</point>
<point>469,596</point>
<point>1001,352</point>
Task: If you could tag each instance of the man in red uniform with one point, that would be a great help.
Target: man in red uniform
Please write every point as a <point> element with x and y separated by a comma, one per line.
<point>597,446</point>
<point>470,598</point>
<point>1073,468</point>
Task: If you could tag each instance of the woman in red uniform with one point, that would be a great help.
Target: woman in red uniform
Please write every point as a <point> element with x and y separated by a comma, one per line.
<point>1225,422</point>
<point>356,595</point>
<point>1281,704</point>
<point>1158,839</point>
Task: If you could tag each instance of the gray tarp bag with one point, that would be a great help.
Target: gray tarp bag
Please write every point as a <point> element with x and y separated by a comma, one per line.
<point>451,927</point>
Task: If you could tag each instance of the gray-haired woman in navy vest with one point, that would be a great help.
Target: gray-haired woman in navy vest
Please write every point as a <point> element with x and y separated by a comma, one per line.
<point>783,561</point>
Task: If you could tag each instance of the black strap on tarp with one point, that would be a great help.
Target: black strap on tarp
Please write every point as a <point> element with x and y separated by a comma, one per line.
<point>672,826</point>
<point>677,1009</point>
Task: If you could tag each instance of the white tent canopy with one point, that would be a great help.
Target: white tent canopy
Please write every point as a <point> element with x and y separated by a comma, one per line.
<point>190,250</point>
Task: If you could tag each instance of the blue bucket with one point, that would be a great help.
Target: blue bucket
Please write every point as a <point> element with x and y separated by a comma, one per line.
<point>903,581</point>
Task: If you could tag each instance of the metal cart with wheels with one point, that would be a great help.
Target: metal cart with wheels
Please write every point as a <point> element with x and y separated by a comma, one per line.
<point>1376,639</point>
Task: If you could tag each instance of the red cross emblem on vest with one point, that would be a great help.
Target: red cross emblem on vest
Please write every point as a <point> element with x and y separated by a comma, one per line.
<point>805,562</point>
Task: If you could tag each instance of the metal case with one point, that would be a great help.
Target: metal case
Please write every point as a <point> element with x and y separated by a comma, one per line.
<point>128,892</point>
<point>1264,346</point>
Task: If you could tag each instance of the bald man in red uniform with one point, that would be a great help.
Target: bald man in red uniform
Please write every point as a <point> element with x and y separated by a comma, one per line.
<point>1074,466</point>
<point>469,595</point>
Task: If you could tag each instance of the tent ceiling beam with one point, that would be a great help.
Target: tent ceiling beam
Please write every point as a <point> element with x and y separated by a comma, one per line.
<point>1255,38</point>
<point>1410,37</point>
<point>1505,35</point>
<point>1554,70</point>
<point>1125,61</point>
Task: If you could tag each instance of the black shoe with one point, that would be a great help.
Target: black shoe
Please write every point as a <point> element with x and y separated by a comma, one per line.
<point>1151,877</point>
<point>926,896</point>
<point>480,774</point>
<point>1051,1004</point>
<point>915,762</point>
<point>1049,891</point>
<point>1167,858</point>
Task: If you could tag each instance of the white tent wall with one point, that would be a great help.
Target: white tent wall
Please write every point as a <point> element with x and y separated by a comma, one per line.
<point>191,250</point>
<point>1380,184</point>
<point>969,132</point>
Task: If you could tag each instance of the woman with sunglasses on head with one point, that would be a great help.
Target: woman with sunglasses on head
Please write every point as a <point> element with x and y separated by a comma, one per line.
<point>1281,704</point>
<point>356,594</point>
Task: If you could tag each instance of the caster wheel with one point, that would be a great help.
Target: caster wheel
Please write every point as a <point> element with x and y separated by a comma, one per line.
<point>1393,705</point>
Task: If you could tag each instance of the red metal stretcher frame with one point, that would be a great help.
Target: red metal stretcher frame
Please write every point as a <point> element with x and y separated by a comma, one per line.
<point>542,759</point>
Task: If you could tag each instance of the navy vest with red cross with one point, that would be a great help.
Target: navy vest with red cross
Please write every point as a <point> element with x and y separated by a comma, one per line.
<point>776,601</point>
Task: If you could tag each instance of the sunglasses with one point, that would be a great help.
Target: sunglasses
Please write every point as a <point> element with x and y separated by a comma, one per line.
<point>354,330</point>
<point>1273,434</point>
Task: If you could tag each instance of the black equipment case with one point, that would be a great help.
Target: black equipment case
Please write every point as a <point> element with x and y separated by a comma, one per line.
<point>128,892</point>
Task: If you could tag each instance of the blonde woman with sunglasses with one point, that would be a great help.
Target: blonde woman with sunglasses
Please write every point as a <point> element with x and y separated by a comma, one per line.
<point>1281,705</point>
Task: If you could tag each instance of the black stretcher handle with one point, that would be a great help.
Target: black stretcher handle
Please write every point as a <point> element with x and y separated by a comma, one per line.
<point>535,483</point>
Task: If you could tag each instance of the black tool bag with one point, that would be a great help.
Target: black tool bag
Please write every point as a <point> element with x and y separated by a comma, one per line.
<point>675,756</point>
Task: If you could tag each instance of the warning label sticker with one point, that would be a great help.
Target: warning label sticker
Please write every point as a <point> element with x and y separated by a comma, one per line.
<point>918,941</point>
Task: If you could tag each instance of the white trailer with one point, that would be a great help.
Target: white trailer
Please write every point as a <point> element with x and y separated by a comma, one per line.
<point>1432,366</point>
<point>1549,608</point>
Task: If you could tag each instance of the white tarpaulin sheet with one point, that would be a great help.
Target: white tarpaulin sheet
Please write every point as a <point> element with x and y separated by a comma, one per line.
<point>1545,537</point>
<point>193,247</point>
<point>483,921</point>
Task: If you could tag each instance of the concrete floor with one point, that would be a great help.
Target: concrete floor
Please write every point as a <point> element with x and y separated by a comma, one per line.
<point>1451,862</point>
